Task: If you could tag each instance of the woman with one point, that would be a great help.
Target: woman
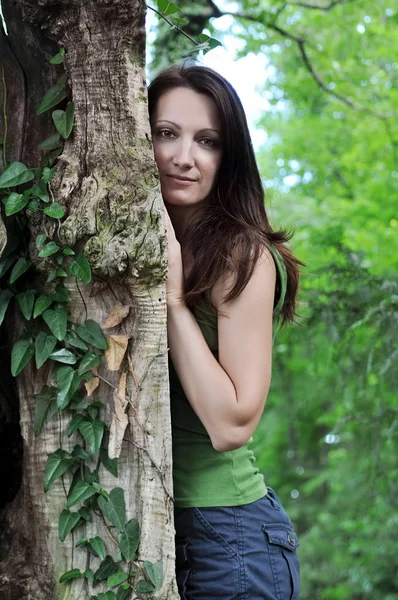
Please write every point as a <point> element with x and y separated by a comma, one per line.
<point>230,279</point>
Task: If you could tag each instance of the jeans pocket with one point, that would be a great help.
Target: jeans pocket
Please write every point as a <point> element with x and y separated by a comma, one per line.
<point>183,568</point>
<point>212,529</point>
<point>282,545</point>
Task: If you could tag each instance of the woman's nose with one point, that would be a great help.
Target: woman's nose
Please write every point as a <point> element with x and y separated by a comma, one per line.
<point>183,156</point>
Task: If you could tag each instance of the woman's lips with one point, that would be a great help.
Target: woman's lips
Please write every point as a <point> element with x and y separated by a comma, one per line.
<point>181,181</point>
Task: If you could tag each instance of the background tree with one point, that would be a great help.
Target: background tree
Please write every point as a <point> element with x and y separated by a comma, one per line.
<point>107,185</point>
<point>326,441</point>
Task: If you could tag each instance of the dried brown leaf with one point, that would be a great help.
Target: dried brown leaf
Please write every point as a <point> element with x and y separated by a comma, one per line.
<point>119,418</point>
<point>91,385</point>
<point>97,288</point>
<point>114,354</point>
<point>118,313</point>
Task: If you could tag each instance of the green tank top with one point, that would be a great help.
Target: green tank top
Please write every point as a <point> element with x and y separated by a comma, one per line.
<point>203,476</point>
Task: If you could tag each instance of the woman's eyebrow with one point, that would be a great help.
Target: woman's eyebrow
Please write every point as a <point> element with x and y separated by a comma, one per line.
<point>178,126</point>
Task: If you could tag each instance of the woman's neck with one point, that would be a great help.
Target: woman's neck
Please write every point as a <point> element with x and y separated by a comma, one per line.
<point>181,216</point>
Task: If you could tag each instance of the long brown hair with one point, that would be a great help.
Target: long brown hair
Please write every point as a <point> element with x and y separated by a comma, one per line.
<point>234,227</point>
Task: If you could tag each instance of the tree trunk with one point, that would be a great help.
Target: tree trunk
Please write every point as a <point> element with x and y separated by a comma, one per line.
<point>106,181</point>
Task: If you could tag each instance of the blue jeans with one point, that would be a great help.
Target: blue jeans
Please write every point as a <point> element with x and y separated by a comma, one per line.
<point>237,553</point>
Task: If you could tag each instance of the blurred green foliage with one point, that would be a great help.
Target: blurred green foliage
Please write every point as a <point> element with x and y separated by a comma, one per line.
<point>328,439</point>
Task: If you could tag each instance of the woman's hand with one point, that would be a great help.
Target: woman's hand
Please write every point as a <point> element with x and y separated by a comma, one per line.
<point>175,277</point>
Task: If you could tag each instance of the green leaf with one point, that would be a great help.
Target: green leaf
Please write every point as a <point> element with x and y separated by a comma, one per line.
<point>80,268</point>
<point>179,21</point>
<point>61,294</point>
<point>22,352</point>
<point>48,174</point>
<point>57,320</point>
<point>67,381</point>
<point>51,143</point>
<point>85,514</point>
<point>82,542</point>
<point>53,96</point>
<point>26,302</point>
<point>89,361</point>
<point>130,539</point>
<point>16,174</point>
<point>114,509</point>
<point>98,545</point>
<point>80,492</point>
<point>154,572</point>
<point>21,266</point>
<point>60,273</point>
<point>40,191</point>
<point>33,206</point>
<point>64,356</point>
<point>143,587</point>
<point>75,423</point>
<point>5,297</point>
<point>106,568</point>
<point>117,578</point>
<point>78,403</point>
<point>68,251</point>
<point>63,120</point>
<point>72,574</point>
<point>40,240</point>
<point>91,333</point>
<point>167,8</point>
<point>73,340</point>
<point>67,521</point>
<point>54,210</point>
<point>6,263</point>
<point>80,453</point>
<point>123,592</point>
<point>41,304</point>
<point>88,574</point>
<point>109,595</point>
<point>57,463</point>
<point>93,433</point>
<point>110,464</point>
<point>49,249</point>
<point>45,408</point>
<point>57,59</point>
<point>44,345</point>
<point>14,203</point>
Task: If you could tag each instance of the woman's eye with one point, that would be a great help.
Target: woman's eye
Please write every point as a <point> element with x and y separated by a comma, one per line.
<point>166,133</point>
<point>209,142</point>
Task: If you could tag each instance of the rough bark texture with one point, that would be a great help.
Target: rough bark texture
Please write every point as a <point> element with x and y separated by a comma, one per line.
<point>106,181</point>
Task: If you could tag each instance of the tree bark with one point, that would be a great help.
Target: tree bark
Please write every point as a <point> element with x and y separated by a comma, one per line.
<point>107,183</point>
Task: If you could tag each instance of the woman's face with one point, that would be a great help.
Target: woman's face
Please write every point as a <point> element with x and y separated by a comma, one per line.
<point>186,136</point>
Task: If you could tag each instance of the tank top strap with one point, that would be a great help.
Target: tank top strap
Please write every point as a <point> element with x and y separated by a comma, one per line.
<point>280,265</point>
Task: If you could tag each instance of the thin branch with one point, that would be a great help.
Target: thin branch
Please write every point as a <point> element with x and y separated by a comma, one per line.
<point>173,26</point>
<point>317,7</point>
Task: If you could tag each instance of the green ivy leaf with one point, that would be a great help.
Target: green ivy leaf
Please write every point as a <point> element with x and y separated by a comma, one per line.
<point>57,320</point>
<point>75,423</point>
<point>89,361</point>
<point>21,266</point>
<point>57,463</point>
<point>109,595</point>
<point>98,546</point>
<point>41,304</point>
<point>167,8</point>
<point>63,120</point>
<point>44,345</point>
<point>82,542</point>
<point>22,352</point>
<point>123,592</point>
<point>67,381</point>
<point>16,174</point>
<point>40,191</point>
<point>61,294</point>
<point>117,578</point>
<point>179,21</point>
<point>48,174</point>
<point>91,333</point>
<point>80,492</point>
<point>130,539</point>
<point>106,568</point>
<point>45,408</point>
<point>78,403</point>
<point>49,249</point>
<point>33,206</point>
<point>57,59</point>
<point>208,42</point>
<point>54,210</point>
<point>51,143</point>
<point>143,587</point>
<point>85,514</point>
<point>80,268</point>
<point>14,203</point>
<point>64,356</point>
<point>40,240</point>
<point>6,263</point>
<point>80,453</point>
<point>110,464</point>
<point>154,572</point>
<point>73,340</point>
<point>68,251</point>
<point>53,96</point>
<point>89,575</point>
<point>72,574</point>
<point>92,433</point>
<point>26,302</point>
<point>114,509</point>
<point>67,522</point>
<point>5,297</point>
